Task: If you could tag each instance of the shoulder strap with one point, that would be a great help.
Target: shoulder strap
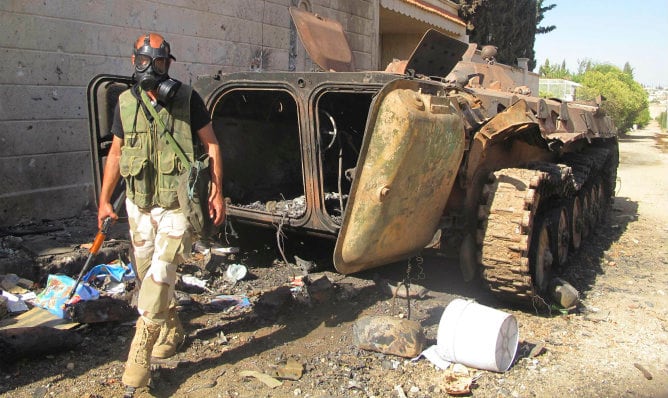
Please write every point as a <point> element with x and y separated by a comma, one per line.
<point>165,133</point>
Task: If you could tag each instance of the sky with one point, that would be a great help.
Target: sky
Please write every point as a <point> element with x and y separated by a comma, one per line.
<point>608,31</point>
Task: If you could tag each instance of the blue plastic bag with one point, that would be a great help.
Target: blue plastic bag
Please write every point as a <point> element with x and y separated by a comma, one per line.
<point>117,272</point>
<point>55,295</point>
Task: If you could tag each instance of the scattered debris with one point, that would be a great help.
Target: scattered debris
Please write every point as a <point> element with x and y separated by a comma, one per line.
<point>272,302</point>
<point>104,309</point>
<point>221,251</point>
<point>291,370</point>
<point>235,273</point>
<point>207,248</point>
<point>298,281</point>
<point>457,380</point>
<point>56,294</point>
<point>321,290</point>
<point>193,281</point>
<point>264,378</point>
<point>537,350</point>
<point>222,339</point>
<point>12,283</point>
<point>644,371</point>
<point>306,266</point>
<point>28,342</point>
<point>227,302</point>
<point>14,303</point>
<point>347,291</point>
<point>400,391</point>
<point>389,335</point>
<point>594,314</point>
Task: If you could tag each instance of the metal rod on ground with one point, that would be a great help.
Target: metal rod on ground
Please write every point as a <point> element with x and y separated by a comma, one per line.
<point>97,242</point>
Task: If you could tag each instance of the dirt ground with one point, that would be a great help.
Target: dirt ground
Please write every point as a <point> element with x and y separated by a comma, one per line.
<point>614,345</point>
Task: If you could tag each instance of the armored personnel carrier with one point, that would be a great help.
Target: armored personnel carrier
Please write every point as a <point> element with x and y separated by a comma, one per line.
<point>438,152</point>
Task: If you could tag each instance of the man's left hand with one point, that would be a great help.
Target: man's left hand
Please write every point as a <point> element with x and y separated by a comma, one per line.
<point>216,208</point>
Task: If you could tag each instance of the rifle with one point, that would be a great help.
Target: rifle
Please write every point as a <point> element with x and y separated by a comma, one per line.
<point>97,242</point>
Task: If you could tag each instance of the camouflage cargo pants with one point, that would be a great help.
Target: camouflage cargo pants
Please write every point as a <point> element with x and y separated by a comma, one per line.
<point>161,241</point>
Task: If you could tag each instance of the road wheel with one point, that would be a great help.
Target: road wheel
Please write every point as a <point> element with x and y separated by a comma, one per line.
<point>560,235</point>
<point>540,255</point>
<point>576,222</point>
<point>601,201</point>
<point>594,206</point>
<point>585,199</point>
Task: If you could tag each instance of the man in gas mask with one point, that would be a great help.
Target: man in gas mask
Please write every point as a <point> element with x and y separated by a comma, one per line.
<point>160,233</point>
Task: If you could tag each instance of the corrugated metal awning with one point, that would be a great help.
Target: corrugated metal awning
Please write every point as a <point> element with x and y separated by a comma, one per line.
<point>429,13</point>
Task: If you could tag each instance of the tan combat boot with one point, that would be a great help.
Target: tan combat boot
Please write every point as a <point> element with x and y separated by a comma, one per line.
<point>171,336</point>
<point>138,367</point>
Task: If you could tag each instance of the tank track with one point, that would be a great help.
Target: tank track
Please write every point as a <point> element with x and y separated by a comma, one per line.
<point>512,201</point>
<point>513,196</point>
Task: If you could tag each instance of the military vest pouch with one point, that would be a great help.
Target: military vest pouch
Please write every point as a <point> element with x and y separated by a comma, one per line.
<point>193,193</point>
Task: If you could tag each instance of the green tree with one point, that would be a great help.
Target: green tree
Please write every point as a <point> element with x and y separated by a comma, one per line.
<point>628,69</point>
<point>540,14</point>
<point>626,101</point>
<point>554,71</point>
<point>511,25</point>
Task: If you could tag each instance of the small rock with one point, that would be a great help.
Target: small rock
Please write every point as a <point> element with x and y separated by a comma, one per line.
<point>644,371</point>
<point>346,291</point>
<point>400,391</point>
<point>9,281</point>
<point>321,290</point>
<point>271,303</point>
<point>354,384</point>
<point>537,350</point>
<point>564,293</point>
<point>306,266</point>
<point>292,370</point>
<point>389,335</point>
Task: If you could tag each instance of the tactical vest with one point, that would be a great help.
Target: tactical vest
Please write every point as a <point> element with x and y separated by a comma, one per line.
<point>148,163</point>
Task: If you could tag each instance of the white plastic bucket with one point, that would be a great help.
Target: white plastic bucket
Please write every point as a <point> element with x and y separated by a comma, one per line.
<point>477,336</point>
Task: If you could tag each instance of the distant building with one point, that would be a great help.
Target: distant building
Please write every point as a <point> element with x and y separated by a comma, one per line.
<point>558,88</point>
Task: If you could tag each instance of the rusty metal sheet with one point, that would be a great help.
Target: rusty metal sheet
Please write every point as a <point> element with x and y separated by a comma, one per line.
<point>516,118</point>
<point>436,54</point>
<point>412,149</point>
<point>324,41</point>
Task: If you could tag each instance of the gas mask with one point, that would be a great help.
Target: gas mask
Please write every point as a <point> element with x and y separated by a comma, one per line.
<point>151,67</point>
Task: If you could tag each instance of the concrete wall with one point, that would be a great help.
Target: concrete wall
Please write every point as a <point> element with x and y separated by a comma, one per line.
<point>51,49</point>
<point>397,46</point>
